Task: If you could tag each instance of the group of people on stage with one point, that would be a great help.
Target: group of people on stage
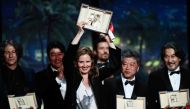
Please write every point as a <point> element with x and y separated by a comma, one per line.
<point>82,78</point>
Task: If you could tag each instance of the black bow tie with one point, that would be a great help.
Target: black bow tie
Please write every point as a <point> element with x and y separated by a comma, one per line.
<point>130,82</point>
<point>101,65</point>
<point>174,72</point>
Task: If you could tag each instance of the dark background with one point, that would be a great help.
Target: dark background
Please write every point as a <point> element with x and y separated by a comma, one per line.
<point>142,25</point>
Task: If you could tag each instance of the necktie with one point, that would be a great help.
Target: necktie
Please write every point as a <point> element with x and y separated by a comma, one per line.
<point>174,72</point>
<point>130,82</point>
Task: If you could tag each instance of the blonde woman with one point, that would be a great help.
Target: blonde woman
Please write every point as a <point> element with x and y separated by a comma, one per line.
<point>86,78</point>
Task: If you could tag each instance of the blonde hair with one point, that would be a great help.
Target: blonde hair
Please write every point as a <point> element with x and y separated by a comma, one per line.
<point>94,72</point>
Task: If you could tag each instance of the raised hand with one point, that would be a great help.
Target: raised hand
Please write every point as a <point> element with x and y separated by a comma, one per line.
<point>81,26</point>
<point>79,34</point>
<point>60,71</point>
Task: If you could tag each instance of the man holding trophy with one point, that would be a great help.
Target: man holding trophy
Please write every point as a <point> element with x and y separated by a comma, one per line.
<point>128,89</point>
<point>173,79</point>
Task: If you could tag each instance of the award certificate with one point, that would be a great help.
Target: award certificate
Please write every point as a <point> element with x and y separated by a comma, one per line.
<point>139,103</point>
<point>174,98</point>
<point>97,19</point>
<point>23,102</point>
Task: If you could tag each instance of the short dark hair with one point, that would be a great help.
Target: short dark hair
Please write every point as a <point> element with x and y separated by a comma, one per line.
<point>178,51</point>
<point>18,48</point>
<point>55,44</point>
<point>130,53</point>
<point>99,40</point>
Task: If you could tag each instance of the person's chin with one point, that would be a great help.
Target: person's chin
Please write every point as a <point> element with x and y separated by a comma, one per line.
<point>84,73</point>
<point>105,58</point>
<point>171,68</point>
<point>57,66</point>
<point>127,75</point>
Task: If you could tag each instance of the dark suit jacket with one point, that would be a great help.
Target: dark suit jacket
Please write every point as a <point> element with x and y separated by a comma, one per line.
<point>159,81</point>
<point>114,61</point>
<point>4,104</point>
<point>48,90</point>
<point>17,82</point>
<point>76,78</point>
<point>115,87</point>
<point>112,66</point>
<point>139,90</point>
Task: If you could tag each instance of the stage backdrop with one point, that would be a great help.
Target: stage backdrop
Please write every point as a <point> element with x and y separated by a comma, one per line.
<point>142,25</point>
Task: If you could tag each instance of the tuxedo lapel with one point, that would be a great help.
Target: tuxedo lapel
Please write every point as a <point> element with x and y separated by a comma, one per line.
<point>166,80</point>
<point>50,73</point>
<point>119,89</point>
<point>134,96</point>
<point>135,90</point>
<point>183,83</point>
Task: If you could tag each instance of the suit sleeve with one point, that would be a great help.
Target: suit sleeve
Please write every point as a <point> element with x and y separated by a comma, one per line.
<point>69,59</point>
<point>152,96</point>
<point>4,104</point>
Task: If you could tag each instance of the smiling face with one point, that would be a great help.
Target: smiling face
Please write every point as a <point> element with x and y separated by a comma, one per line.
<point>170,59</point>
<point>129,67</point>
<point>56,58</point>
<point>10,55</point>
<point>84,64</point>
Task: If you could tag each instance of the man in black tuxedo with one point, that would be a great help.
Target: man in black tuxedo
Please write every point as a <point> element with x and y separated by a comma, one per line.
<point>171,77</point>
<point>51,82</point>
<point>127,83</point>
<point>107,56</point>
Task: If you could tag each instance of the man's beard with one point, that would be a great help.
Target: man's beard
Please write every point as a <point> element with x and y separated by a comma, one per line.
<point>104,59</point>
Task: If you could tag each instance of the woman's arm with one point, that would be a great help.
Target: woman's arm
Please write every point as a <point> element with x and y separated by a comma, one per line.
<point>72,49</point>
<point>77,38</point>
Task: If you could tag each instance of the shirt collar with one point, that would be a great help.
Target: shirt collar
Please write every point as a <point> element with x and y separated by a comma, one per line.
<point>53,69</point>
<point>98,62</point>
<point>124,79</point>
<point>177,69</point>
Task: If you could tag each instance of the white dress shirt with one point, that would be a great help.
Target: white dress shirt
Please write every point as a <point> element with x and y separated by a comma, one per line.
<point>128,89</point>
<point>63,86</point>
<point>175,79</point>
<point>61,82</point>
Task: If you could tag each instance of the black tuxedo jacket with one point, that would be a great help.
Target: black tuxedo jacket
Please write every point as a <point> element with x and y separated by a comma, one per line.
<point>48,90</point>
<point>112,66</point>
<point>140,88</point>
<point>114,86</point>
<point>113,63</point>
<point>159,81</point>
